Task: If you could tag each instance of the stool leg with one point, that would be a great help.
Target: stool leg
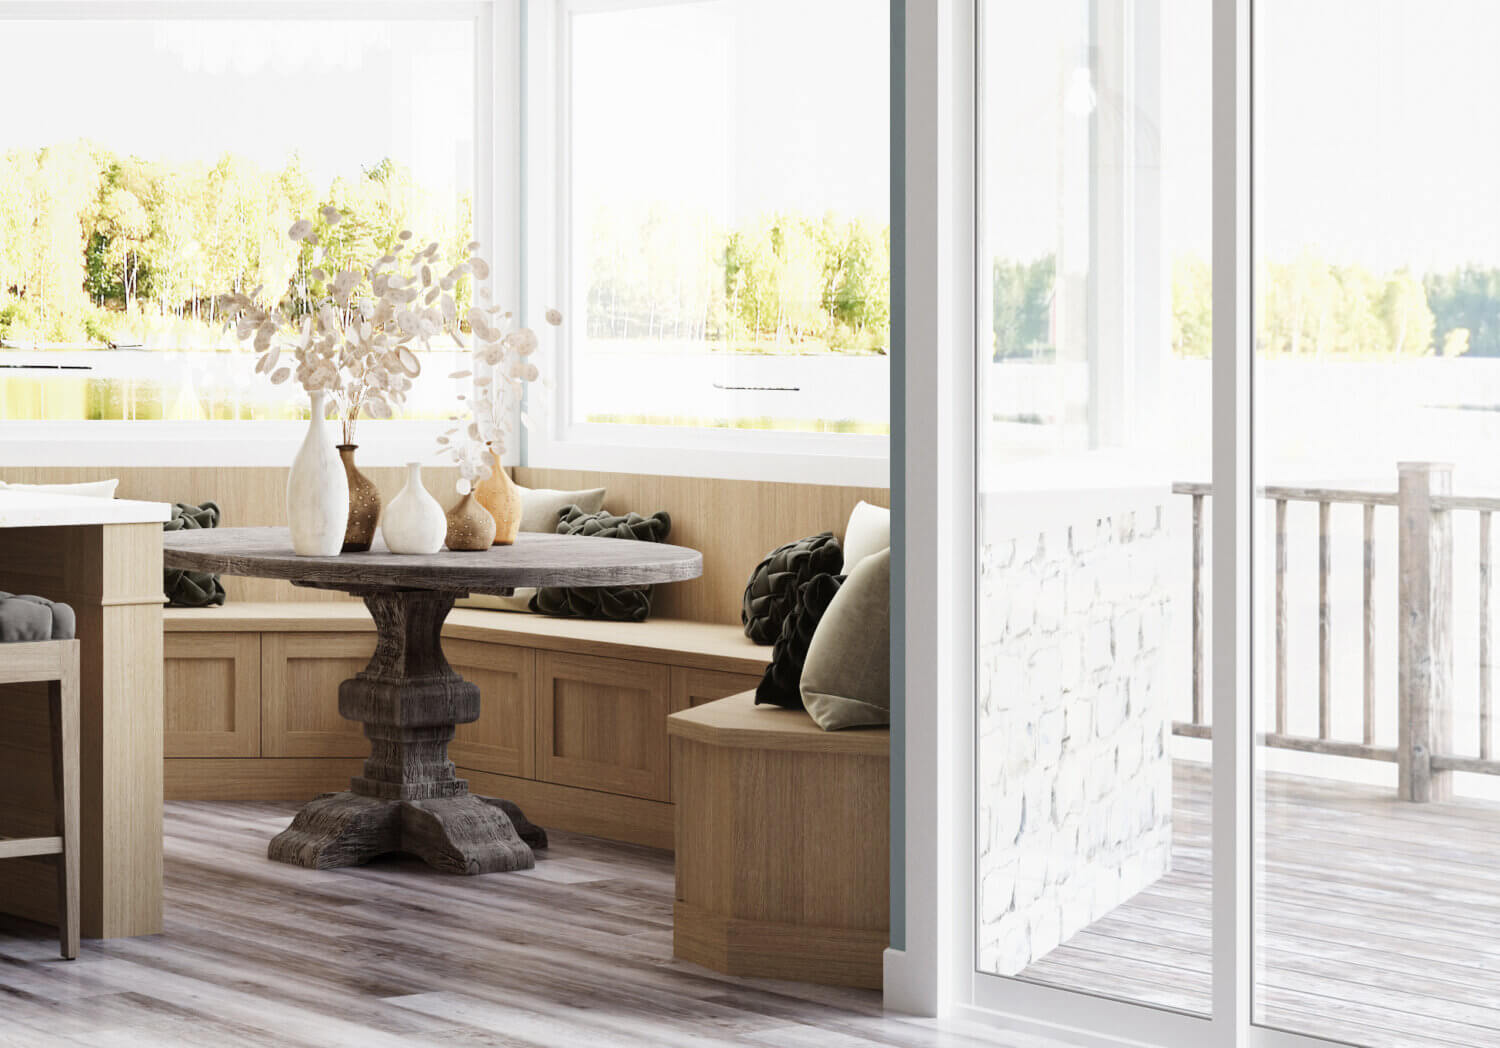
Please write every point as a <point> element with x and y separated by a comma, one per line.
<point>64,702</point>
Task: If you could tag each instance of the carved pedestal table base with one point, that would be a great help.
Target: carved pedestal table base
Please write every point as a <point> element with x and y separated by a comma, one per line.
<point>409,798</point>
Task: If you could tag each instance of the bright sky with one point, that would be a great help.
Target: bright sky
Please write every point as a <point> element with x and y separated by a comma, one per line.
<point>343,95</point>
<point>1372,140</point>
<point>735,106</point>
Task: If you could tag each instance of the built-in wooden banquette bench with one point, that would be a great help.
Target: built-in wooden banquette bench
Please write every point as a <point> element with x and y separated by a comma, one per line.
<point>574,715</point>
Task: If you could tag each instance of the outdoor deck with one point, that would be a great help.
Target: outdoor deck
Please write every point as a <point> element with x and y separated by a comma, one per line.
<point>1378,920</point>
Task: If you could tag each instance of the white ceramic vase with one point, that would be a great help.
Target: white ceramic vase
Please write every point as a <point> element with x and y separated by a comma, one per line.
<point>317,492</point>
<point>414,522</point>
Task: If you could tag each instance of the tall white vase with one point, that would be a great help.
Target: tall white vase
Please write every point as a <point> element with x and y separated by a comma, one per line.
<point>414,522</point>
<point>317,492</point>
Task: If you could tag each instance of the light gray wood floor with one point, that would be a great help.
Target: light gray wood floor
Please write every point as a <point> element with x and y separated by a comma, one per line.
<point>577,952</point>
<point>1378,921</point>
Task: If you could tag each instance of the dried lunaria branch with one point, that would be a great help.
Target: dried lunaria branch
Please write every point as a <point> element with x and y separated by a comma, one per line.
<point>358,344</point>
<point>501,367</point>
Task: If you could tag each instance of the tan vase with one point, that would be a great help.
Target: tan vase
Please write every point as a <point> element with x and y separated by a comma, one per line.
<point>364,504</point>
<point>470,526</point>
<point>502,498</point>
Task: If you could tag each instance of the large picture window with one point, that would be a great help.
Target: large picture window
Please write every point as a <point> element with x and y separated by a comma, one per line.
<point>726,237</point>
<point>163,166</point>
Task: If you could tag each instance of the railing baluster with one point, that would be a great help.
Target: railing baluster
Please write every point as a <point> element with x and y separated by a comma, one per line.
<point>1325,632</point>
<point>1484,635</point>
<point>1197,609</point>
<point>1281,617</point>
<point>1369,623</point>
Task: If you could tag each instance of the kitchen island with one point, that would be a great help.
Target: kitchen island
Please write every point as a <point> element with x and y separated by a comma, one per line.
<point>104,557</point>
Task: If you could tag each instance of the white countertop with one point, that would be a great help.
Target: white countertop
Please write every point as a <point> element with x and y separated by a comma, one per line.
<point>42,509</point>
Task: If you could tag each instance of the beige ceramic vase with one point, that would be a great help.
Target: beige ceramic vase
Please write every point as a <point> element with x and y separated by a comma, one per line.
<point>470,526</point>
<point>502,498</point>
<point>364,504</point>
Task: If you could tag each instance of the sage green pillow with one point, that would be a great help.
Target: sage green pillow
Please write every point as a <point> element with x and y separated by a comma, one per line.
<point>846,680</point>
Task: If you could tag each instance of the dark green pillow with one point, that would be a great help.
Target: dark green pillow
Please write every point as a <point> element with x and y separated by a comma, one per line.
<point>616,603</point>
<point>782,684</point>
<point>772,591</point>
<point>192,589</point>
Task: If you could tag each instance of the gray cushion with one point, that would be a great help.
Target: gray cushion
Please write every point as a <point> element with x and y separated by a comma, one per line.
<point>846,679</point>
<point>25,618</point>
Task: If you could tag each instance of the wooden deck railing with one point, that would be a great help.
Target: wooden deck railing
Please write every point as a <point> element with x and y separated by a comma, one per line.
<point>1423,628</point>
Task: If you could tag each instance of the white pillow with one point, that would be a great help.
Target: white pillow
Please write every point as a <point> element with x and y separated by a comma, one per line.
<point>98,489</point>
<point>869,531</point>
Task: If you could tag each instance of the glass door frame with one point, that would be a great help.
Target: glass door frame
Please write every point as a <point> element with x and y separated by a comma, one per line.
<point>930,968</point>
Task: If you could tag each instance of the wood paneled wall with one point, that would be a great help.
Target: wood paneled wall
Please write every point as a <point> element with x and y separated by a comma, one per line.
<point>734,523</point>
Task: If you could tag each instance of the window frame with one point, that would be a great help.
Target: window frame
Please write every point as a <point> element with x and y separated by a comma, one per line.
<point>497,224</point>
<point>553,439</point>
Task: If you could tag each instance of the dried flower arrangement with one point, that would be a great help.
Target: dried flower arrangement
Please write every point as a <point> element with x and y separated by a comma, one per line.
<point>502,365</point>
<point>357,343</point>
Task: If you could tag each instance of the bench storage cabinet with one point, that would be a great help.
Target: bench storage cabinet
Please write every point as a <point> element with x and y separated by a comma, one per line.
<point>572,723</point>
<point>783,844</point>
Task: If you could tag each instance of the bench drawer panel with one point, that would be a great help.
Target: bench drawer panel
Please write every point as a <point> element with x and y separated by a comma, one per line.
<point>601,724</point>
<point>300,678</point>
<point>503,740</point>
<point>211,694</point>
<point>692,687</point>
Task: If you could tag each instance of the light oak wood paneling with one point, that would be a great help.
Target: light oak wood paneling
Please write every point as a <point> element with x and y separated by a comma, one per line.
<point>574,810</point>
<point>260,779</point>
<point>211,694</point>
<point>733,523</point>
<point>692,687</point>
<point>299,680</point>
<point>503,739</point>
<point>600,724</point>
<point>782,847</point>
<point>111,575</point>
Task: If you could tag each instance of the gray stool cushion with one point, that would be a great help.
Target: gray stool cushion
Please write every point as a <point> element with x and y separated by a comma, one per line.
<point>26,618</point>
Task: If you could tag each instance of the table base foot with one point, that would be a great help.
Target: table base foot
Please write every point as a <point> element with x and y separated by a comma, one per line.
<point>463,834</point>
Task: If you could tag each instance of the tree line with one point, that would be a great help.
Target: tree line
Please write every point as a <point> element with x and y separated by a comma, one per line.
<point>1307,307</point>
<point>98,247</point>
<point>782,282</point>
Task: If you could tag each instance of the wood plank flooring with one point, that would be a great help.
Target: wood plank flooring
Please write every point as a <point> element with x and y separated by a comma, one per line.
<point>1378,920</point>
<point>574,953</point>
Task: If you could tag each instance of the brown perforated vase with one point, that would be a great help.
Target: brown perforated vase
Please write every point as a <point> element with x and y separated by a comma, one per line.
<point>364,504</point>
<point>470,526</point>
<point>502,498</point>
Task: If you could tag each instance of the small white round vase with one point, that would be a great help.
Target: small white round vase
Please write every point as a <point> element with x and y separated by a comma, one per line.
<point>317,492</point>
<point>414,522</point>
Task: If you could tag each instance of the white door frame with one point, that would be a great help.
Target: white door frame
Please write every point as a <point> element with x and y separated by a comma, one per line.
<point>933,973</point>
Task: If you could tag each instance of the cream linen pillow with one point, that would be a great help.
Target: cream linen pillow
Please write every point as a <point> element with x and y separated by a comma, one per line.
<point>868,531</point>
<point>99,489</point>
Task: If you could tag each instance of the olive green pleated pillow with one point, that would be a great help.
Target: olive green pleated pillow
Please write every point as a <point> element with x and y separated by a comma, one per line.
<point>846,678</point>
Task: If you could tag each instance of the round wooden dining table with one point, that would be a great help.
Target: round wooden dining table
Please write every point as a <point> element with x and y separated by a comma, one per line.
<point>408,698</point>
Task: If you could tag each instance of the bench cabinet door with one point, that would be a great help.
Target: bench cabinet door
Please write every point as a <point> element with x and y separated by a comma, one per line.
<point>502,741</point>
<point>211,694</point>
<point>601,724</point>
<point>692,687</point>
<point>300,678</point>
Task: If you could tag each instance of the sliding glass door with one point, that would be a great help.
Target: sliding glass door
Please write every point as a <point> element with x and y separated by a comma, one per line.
<point>1377,394</point>
<point>1092,771</point>
<point>1320,864</point>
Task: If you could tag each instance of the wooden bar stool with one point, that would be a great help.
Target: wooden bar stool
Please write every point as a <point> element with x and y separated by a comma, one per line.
<point>56,663</point>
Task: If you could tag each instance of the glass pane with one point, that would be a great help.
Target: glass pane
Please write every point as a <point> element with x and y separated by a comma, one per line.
<point>121,225</point>
<point>730,230</point>
<point>1092,831</point>
<point>1377,396</point>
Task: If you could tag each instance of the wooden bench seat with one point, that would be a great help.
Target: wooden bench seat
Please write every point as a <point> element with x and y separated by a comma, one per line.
<point>573,721</point>
<point>783,832</point>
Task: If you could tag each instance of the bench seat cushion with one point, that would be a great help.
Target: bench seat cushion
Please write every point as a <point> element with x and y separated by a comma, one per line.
<point>26,619</point>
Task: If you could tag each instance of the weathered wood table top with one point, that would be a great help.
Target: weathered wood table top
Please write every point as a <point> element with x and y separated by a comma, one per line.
<point>536,559</point>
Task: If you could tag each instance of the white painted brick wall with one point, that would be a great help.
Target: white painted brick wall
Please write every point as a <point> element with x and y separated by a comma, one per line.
<point>1074,776</point>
